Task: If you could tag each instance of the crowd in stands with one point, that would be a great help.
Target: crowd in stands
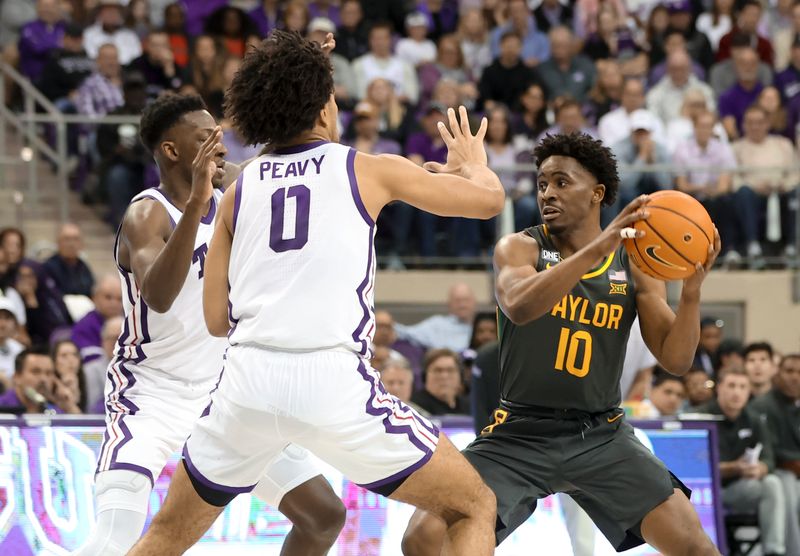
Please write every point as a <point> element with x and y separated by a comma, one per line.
<point>698,95</point>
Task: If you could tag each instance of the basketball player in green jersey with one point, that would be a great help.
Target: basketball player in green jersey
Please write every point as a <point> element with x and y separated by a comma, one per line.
<point>568,295</point>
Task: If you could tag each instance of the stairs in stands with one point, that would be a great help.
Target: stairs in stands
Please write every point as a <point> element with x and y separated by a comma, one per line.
<point>41,220</point>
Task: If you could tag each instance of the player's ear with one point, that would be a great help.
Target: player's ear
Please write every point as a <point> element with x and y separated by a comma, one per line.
<point>599,193</point>
<point>169,150</point>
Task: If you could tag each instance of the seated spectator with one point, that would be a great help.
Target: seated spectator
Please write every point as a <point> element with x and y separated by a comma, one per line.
<point>380,62</point>
<point>386,336</point>
<point>760,367</point>
<point>655,31</point>
<point>157,65</point>
<point>398,379</point>
<point>747,18</point>
<point>365,132</point>
<point>39,38</point>
<point>484,332</point>
<point>706,356</point>
<point>612,40</point>
<point>108,29</point>
<point>507,76</point>
<point>606,93</point>
<point>95,371</point>
<point>788,81</point>
<point>552,13</point>
<point>324,8</point>
<point>473,33</point>
<point>637,369</point>
<point>744,93</point>
<point>712,186</point>
<point>638,150</point>
<point>65,70</point>
<point>175,27</point>
<point>442,17</point>
<point>137,18</point>
<point>730,355</point>
<point>231,27</point>
<point>784,40</point>
<point>451,331</point>
<point>9,347</point>
<point>45,311</point>
<point>569,119</point>
<point>87,332</point>
<point>699,389</point>
<point>395,118</point>
<point>441,393</point>
<point>449,65</point>
<point>534,47</point>
<point>344,81</point>
<point>416,49</point>
<point>717,22</point>
<point>770,101</point>
<point>779,408</point>
<point>71,274</point>
<point>674,41</point>
<point>723,74</point>
<point>101,92</point>
<point>295,16</point>
<point>616,124</point>
<point>666,97</point>
<point>681,17</point>
<point>266,16</point>
<point>531,121</point>
<point>747,460</point>
<point>586,15</point>
<point>485,385</point>
<point>681,129</point>
<point>666,394</point>
<point>123,157</point>
<point>205,73</point>
<point>753,188</point>
<point>351,33</point>
<point>565,72</point>
<point>34,388</point>
<point>68,370</point>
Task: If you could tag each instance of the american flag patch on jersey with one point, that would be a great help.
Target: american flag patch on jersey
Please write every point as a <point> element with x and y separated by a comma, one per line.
<point>617,276</point>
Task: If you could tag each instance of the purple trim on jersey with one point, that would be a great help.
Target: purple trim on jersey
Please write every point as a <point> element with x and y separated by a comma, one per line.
<point>237,201</point>
<point>360,293</point>
<point>132,467</point>
<point>190,467</point>
<point>212,211</point>
<point>126,332</point>
<point>116,250</point>
<point>207,410</point>
<point>351,174</point>
<point>400,474</point>
<point>132,410</point>
<point>388,412</point>
<point>294,149</point>
<point>128,288</point>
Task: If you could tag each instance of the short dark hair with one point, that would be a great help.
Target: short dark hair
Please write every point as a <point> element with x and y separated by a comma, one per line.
<point>381,24</point>
<point>22,356</point>
<point>661,376</point>
<point>789,357</point>
<point>590,153</point>
<point>280,89</point>
<point>705,322</point>
<point>9,231</point>
<point>163,113</point>
<point>433,355</point>
<point>757,346</point>
<point>747,3</point>
<point>508,35</point>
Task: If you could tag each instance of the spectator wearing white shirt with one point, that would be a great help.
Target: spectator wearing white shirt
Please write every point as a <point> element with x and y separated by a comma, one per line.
<point>451,331</point>
<point>380,63</point>
<point>637,370</point>
<point>9,347</point>
<point>665,99</point>
<point>108,29</point>
<point>616,125</point>
<point>416,49</point>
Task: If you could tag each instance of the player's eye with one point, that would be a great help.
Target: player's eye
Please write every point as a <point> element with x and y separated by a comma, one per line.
<point>542,185</point>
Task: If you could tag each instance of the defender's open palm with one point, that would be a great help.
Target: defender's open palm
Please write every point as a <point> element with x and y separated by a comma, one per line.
<point>204,166</point>
<point>463,148</point>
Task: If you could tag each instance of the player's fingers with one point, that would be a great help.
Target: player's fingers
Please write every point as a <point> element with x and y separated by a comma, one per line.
<point>631,233</point>
<point>213,144</point>
<point>454,129</point>
<point>636,216</point>
<point>635,204</point>
<point>462,113</point>
<point>482,129</point>
<point>434,167</point>
<point>207,145</point>
<point>445,133</point>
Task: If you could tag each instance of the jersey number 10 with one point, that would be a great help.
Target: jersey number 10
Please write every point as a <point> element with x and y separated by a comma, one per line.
<point>302,196</point>
<point>567,354</point>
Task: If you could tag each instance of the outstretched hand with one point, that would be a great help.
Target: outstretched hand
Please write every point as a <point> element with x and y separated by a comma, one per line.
<point>204,166</point>
<point>463,148</point>
<point>612,235</point>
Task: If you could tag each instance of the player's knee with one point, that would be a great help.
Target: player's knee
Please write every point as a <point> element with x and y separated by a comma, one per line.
<point>323,521</point>
<point>483,503</point>
<point>700,545</point>
<point>424,535</point>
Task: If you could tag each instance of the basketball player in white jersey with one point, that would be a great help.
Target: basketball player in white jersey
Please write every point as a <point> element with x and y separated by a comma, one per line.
<point>166,362</point>
<point>294,242</point>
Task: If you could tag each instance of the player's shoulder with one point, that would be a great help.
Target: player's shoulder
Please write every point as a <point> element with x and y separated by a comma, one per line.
<point>517,249</point>
<point>145,216</point>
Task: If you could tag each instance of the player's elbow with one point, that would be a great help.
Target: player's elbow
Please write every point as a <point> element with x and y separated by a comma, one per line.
<point>676,365</point>
<point>217,328</point>
<point>518,313</point>
<point>495,203</point>
<point>159,304</point>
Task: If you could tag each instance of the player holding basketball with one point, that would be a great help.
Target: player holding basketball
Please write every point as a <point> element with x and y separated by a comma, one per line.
<point>166,362</point>
<point>568,296</point>
<point>295,245</point>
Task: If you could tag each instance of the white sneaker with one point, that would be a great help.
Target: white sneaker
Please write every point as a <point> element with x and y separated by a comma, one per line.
<point>754,249</point>
<point>732,258</point>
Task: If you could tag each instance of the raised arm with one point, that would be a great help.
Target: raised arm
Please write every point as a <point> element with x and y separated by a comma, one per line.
<point>464,186</point>
<point>215,281</point>
<point>525,294</point>
<point>672,337</point>
<point>160,260</point>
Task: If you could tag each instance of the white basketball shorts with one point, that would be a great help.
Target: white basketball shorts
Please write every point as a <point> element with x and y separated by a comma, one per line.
<point>330,402</point>
<point>149,414</point>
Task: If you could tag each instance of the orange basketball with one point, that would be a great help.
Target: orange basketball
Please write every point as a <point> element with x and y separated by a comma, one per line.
<point>677,235</point>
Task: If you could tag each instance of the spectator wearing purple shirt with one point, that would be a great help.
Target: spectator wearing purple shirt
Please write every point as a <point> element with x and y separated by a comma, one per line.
<point>34,386</point>
<point>39,37</point>
<point>712,186</point>
<point>87,332</point>
<point>674,41</point>
<point>267,16</point>
<point>324,8</point>
<point>102,91</point>
<point>442,16</point>
<point>734,102</point>
<point>788,81</point>
<point>197,11</point>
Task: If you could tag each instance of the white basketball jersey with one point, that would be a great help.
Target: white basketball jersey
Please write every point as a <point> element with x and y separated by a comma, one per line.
<point>302,265</point>
<point>177,342</point>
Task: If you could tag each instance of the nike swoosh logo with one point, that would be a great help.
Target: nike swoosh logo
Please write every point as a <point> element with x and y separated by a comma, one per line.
<point>651,252</point>
<point>614,418</point>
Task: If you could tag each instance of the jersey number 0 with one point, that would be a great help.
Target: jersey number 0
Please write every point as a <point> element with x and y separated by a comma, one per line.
<point>302,196</point>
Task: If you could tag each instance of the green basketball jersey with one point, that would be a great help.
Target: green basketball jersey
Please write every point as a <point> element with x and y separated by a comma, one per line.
<point>571,357</point>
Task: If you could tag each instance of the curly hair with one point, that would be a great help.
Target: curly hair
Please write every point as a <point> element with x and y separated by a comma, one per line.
<point>163,113</point>
<point>590,153</point>
<point>279,90</point>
